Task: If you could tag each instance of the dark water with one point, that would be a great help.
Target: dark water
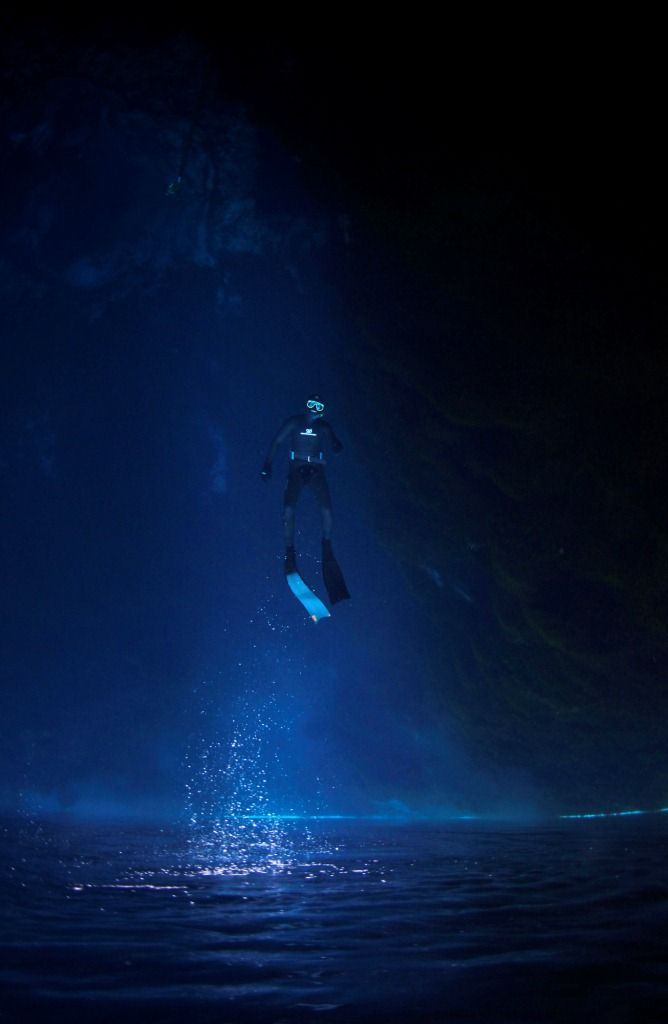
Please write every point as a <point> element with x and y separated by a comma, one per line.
<point>343,921</point>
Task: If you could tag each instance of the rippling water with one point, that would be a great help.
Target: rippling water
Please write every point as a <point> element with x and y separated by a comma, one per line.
<point>340,921</point>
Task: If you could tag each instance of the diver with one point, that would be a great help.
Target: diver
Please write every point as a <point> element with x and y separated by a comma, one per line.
<point>309,435</point>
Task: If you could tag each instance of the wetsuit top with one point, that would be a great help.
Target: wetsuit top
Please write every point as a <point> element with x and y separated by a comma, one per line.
<point>308,437</point>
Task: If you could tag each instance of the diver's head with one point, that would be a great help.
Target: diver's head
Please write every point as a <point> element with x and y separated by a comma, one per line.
<point>315,406</point>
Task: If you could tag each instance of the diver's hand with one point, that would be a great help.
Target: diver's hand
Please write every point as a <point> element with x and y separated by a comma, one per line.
<point>265,472</point>
<point>337,447</point>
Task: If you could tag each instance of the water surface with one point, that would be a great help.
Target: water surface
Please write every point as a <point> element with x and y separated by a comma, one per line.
<point>338,921</point>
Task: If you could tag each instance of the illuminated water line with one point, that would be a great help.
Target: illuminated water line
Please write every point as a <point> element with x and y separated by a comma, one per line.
<point>615,814</point>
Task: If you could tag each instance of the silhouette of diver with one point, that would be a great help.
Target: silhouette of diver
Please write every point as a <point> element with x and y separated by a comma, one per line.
<point>309,433</point>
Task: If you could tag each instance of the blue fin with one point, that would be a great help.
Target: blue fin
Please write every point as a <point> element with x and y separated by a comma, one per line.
<point>311,602</point>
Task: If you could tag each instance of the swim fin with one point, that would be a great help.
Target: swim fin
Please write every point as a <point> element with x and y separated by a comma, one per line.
<point>310,601</point>
<point>332,575</point>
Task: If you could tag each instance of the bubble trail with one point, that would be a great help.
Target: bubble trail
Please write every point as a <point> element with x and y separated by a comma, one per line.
<point>233,829</point>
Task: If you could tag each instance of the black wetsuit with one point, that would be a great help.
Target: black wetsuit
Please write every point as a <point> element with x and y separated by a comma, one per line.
<point>310,438</point>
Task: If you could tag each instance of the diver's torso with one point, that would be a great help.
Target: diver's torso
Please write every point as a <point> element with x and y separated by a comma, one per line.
<point>307,442</point>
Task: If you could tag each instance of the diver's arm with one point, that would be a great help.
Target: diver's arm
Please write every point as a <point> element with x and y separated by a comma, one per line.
<point>333,439</point>
<point>281,435</point>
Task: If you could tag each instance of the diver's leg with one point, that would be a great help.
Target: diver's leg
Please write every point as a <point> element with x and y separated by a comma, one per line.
<point>321,489</point>
<point>293,486</point>
<point>290,564</point>
<point>289,524</point>
<point>292,491</point>
<point>326,523</point>
<point>331,572</point>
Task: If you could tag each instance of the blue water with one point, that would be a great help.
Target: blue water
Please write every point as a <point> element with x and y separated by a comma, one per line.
<point>338,921</point>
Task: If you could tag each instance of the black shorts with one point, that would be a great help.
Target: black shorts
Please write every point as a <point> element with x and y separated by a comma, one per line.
<point>306,474</point>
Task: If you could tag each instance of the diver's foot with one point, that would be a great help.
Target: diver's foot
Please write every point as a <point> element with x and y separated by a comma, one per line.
<point>327,552</point>
<point>290,560</point>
